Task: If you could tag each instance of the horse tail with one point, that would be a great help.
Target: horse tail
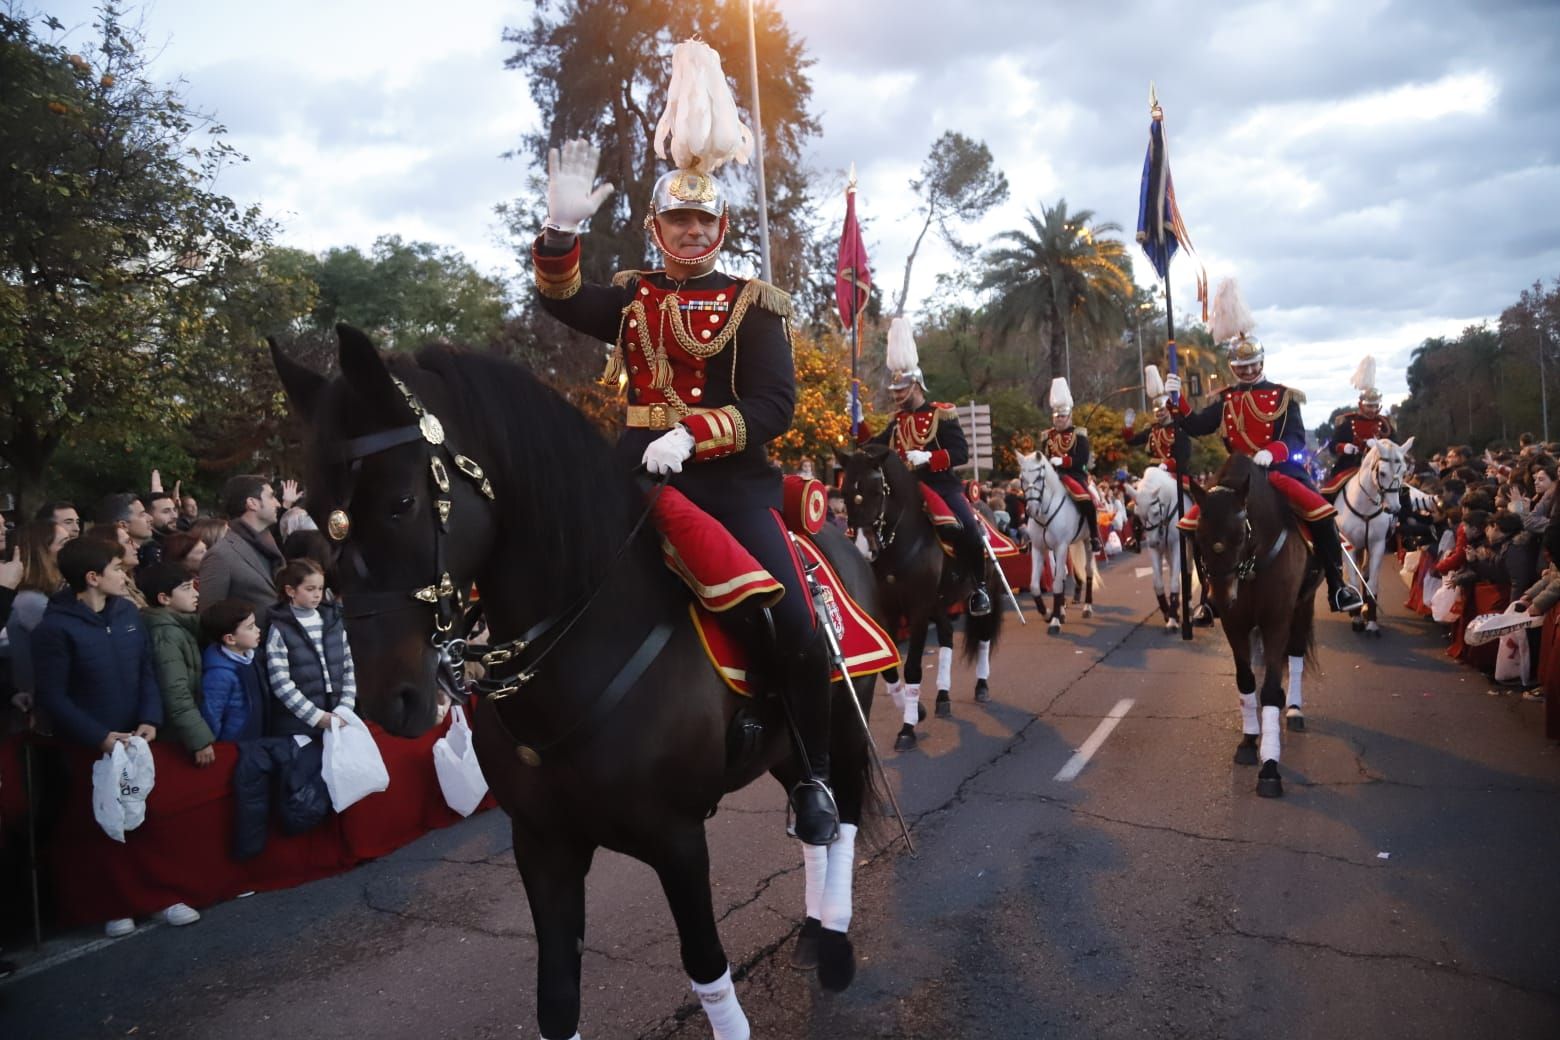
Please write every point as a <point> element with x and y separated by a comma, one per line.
<point>1084,563</point>
<point>978,630</point>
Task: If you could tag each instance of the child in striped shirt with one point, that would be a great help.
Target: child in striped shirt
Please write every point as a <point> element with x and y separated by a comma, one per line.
<point>307,659</point>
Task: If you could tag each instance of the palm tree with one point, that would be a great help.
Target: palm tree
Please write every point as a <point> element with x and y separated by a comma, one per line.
<point>1059,271</point>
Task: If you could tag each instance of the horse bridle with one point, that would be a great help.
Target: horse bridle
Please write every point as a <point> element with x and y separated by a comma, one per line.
<point>1247,566</point>
<point>448,640</point>
<point>1036,494</point>
<point>881,520</point>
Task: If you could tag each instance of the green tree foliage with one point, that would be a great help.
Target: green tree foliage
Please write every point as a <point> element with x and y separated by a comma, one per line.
<point>1063,277</point>
<point>407,293</point>
<point>822,422</point>
<point>959,184</point>
<point>113,239</point>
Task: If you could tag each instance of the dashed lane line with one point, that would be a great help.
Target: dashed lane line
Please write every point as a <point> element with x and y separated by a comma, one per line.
<point>1075,764</point>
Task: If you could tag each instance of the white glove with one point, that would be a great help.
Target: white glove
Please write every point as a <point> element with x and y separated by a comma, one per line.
<point>1056,460</point>
<point>668,452</point>
<point>570,173</point>
<point>1130,419</point>
<point>1350,449</point>
<point>1263,458</point>
<point>916,457</point>
<point>1172,384</point>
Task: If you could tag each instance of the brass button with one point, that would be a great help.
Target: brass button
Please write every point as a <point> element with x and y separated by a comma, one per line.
<point>720,297</point>
<point>696,392</point>
<point>633,323</point>
<point>706,333</point>
<point>714,319</point>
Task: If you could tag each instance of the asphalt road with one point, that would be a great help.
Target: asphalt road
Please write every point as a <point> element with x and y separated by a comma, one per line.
<point>1403,887</point>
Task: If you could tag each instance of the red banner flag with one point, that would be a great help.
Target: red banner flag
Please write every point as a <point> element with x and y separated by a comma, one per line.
<point>852,276</point>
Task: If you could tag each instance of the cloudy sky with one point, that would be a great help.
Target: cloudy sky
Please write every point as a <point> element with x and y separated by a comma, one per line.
<point>1373,171</point>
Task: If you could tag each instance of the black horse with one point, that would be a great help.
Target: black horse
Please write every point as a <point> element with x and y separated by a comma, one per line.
<point>450,467</point>
<point>1264,582</point>
<point>918,584</point>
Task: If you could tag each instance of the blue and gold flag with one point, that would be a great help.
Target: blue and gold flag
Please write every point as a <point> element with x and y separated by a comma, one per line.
<point>1160,229</point>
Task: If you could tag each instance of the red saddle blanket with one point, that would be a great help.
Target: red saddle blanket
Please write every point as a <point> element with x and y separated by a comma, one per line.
<point>722,574</point>
<point>937,509</point>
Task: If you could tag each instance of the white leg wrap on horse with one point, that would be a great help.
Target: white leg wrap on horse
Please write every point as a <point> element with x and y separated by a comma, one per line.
<point>983,660</point>
<point>719,999</point>
<point>836,891</point>
<point>912,703</point>
<point>1296,675</point>
<point>944,667</point>
<point>816,860</point>
<point>1270,724</point>
<point>576,1036</point>
<point>896,690</point>
<point>1248,714</point>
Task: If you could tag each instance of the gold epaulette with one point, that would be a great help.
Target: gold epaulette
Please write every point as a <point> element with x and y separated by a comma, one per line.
<point>1296,394</point>
<point>622,278</point>
<point>945,410</point>
<point>776,301</point>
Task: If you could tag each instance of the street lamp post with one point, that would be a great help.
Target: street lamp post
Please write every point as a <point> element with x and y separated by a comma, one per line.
<point>758,148</point>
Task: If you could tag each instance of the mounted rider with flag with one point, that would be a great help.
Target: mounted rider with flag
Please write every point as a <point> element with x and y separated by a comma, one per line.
<point>929,439</point>
<point>1353,431</point>
<point>1261,419</point>
<point>706,359</point>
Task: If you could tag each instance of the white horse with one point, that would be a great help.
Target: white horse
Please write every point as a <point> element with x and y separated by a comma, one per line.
<point>1154,506</point>
<point>1367,506</point>
<point>1056,532</point>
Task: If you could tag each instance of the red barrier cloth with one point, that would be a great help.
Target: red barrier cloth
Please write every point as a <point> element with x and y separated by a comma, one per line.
<point>182,852</point>
<point>1487,599</point>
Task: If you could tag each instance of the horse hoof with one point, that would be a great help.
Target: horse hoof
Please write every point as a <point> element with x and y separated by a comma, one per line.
<point>1054,627</point>
<point>1170,625</point>
<point>982,691</point>
<point>906,739</point>
<point>804,955</point>
<point>1268,783</point>
<point>1295,723</point>
<point>1088,610</point>
<point>1358,624</point>
<point>1246,753</point>
<point>836,960</point>
<point>1376,631</point>
<point>944,706</point>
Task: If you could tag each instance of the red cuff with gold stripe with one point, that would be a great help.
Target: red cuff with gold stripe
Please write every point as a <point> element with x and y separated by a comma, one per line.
<point>557,277</point>
<point>716,433</point>
<point>939,463</point>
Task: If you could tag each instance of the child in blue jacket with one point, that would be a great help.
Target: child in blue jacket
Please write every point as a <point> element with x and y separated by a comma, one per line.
<point>230,677</point>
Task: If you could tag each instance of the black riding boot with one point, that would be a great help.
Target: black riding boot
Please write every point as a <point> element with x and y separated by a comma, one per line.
<point>805,687</point>
<point>972,557</point>
<point>1091,517</point>
<point>1342,598</point>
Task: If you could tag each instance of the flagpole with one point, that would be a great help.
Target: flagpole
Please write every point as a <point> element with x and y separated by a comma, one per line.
<point>855,339</point>
<point>758,149</point>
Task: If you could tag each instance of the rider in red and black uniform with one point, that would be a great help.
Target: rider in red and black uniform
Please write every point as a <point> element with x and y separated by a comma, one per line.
<point>1261,420</point>
<point>929,439</point>
<point>1352,432</point>
<point>1067,448</point>
<point>708,366</point>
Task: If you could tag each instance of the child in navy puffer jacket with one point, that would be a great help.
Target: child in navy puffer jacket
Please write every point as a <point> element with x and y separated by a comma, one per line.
<point>230,676</point>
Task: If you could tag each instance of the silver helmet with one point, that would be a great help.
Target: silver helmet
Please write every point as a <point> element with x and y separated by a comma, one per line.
<point>688,189</point>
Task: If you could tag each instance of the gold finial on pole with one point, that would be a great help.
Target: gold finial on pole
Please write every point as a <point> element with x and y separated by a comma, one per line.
<point>1153,103</point>
<point>850,184</point>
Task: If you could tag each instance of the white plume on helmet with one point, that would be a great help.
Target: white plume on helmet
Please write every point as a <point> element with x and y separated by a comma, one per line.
<point>1364,377</point>
<point>904,360</point>
<point>1153,384</point>
<point>1061,395</point>
<point>701,115</point>
<point>1230,318</point>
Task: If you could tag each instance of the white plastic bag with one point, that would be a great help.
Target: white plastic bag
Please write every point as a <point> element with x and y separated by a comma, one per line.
<point>1511,662</point>
<point>106,809</point>
<point>353,767</point>
<point>1446,605</point>
<point>1410,567</point>
<point>136,781</point>
<point>1113,545</point>
<point>121,780</point>
<point>455,763</point>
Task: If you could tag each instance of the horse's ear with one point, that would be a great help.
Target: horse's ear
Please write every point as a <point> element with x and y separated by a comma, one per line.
<point>365,371</point>
<point>1198,494</point>
<point>842,456</point>
<point>1370,442</point>
<point>303,385</point>
<point>878,452</point>
<point>1407,445</point>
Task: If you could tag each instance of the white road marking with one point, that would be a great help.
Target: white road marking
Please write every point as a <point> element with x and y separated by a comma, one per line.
<point>66,956</point>
<point>1075,764</point>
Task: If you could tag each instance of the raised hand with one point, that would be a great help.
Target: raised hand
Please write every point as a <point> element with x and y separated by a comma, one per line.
<point>156,484</point>
<point>571,174</point>
<point>1172,385</point>
<point>290,494</point>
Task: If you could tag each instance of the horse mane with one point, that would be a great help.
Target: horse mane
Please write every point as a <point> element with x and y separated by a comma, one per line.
<point>1262,502</point>
<point>557,482</point>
